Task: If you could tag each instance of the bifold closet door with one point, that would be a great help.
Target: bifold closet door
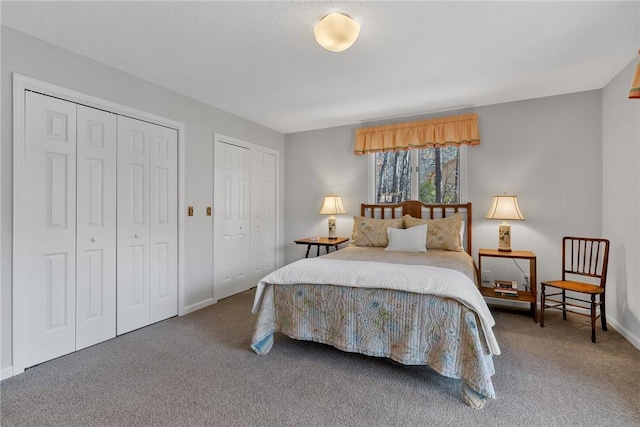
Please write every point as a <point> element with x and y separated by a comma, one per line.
<point>147,224</point>
<point>46,255</point>
<point>232,216</point>
<point>96,227</point>
<point>163,219</point>
<point>263,214</point>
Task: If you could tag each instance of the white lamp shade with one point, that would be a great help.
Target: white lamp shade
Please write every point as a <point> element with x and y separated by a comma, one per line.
<point>332,205</point>
<point>505,207</point>
<point>336,32</point>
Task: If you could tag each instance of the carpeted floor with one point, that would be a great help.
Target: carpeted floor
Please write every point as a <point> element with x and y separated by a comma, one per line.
<point>199,370</point>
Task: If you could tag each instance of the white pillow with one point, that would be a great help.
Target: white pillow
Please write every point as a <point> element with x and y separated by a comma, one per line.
<point>412,239</point>
<point>462,241</point>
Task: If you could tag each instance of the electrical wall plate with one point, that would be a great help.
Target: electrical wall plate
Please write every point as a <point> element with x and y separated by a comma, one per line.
<point>189,210</point>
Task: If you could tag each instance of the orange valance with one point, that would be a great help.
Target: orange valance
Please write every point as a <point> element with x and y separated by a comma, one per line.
<point>454,130</point>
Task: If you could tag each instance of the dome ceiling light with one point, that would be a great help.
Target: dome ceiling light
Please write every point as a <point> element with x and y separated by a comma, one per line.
<point>336,32</point>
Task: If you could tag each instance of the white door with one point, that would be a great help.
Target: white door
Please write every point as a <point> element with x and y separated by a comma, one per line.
<point>46,255</point>
<point>232,221</point>
<point>269,214</point>
<point>96,227</point>
<point>163,221</point>
<point>263,240</point>
<point>147,289</point>
<point>133,305</point>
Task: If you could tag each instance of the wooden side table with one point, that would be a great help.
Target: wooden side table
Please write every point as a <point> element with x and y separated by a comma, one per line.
<point>321,241</point>
<point>531,296</point>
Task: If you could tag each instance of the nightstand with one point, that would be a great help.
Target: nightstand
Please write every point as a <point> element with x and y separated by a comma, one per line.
<point>321,241</point>
<point>530,296</point>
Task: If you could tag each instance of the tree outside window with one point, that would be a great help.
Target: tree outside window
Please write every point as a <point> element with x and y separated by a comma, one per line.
<point>431,175</point>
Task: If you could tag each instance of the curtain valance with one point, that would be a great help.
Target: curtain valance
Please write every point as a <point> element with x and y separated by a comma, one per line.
<point>453,130</point>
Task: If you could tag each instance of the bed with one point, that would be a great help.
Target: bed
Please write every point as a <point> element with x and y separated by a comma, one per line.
<point>404,289</point>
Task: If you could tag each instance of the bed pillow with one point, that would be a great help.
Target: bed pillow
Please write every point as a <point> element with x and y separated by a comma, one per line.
<point>442,233</point>
<point>407,240</point>
<point>372,231</point>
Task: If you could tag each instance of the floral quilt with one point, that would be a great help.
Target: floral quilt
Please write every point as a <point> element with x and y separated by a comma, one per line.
<point>410,328</point>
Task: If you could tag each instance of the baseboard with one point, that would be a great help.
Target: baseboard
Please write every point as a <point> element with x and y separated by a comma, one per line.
<point>6,372</point>
<point>628,335</point>
<point>634,340</point>
<point>198,306</point>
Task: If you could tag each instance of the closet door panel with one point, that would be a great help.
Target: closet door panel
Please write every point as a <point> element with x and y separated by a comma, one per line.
<point>96,227</point>
<point>269,214</point>
<point>257,214</point>
<point>163,219</point>
<point>45,270</point>
<point>133,237</point>
<point>232,234</point>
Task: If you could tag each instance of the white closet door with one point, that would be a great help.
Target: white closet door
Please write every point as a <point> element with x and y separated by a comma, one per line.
<point>263,249</point>
<point>133,225</point>
<point>47,252</point>
<point>269,214</point>
<point>96,227</point>
<point>257,214</point>
<point>232,270</point>
<point>163,222</point>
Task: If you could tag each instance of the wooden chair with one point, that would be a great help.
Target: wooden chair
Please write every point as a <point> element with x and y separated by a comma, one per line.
<point>582,258</point>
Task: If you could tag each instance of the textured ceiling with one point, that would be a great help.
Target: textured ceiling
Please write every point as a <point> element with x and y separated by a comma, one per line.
<point>259,60</point>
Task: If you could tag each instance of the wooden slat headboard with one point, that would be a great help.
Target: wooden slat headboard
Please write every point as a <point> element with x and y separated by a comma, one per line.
<point>421,210</point>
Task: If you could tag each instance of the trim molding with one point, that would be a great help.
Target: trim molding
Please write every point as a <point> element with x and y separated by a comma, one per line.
<point>6,373</point>
<point>202,304</point>
<point>634,340</point>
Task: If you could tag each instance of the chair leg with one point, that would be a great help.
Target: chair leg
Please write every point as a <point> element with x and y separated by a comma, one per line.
<point>603,313</point>
<point>593,318</point>
<point>564,305</point>
<point>542,305</point>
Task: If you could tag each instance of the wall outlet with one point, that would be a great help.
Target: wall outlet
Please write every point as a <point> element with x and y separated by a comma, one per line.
<point>526,281</point>
<point>486,276</point>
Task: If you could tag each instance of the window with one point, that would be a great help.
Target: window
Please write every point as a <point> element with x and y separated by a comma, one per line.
<point>431,175</point>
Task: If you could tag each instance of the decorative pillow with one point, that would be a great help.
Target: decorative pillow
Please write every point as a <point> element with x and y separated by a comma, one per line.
<point>442,233</point>
<point>410,240</point>
<point>372,231</point>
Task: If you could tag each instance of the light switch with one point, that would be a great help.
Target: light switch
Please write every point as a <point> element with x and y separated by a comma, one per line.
<point>190,211</point>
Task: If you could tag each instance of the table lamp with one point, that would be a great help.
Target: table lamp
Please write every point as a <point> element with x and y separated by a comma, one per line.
<point>332,205</point>
<point>505,208</point>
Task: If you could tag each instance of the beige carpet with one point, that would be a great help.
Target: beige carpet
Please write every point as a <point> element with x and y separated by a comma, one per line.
<point>199,370</point>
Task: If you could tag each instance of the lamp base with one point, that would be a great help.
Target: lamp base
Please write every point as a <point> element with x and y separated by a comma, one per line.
<point>333,232</point>
<point>504,237</point>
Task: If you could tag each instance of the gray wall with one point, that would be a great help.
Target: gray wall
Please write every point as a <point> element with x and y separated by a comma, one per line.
<point>621,202</point>
<point>26,55</point>
<point>547,151</point>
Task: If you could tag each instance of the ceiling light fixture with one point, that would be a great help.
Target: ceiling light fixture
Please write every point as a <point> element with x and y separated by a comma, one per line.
<point>336,32</point>
<point>634,92</point>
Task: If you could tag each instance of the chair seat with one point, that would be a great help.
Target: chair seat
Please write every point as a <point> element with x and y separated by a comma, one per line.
<point>575,286</point>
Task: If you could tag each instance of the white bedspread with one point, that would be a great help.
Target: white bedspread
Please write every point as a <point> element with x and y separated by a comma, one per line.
<point>364,274</point>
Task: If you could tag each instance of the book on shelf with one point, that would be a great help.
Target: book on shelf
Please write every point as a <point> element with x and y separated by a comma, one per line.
<point>505,284</point>
<point>507,288</point>
<point>506,292</point>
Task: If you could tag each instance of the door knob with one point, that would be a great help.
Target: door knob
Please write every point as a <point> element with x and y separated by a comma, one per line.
<point>137,236</point>
<point>93,239</point>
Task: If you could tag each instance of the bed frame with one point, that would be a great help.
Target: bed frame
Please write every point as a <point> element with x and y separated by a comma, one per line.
<point>418,209</point>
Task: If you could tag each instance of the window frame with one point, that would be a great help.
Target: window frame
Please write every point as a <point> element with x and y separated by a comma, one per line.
<point>462,159</point>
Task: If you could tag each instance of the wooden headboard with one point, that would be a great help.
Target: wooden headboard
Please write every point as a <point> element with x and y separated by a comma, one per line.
<point>421,210</point>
